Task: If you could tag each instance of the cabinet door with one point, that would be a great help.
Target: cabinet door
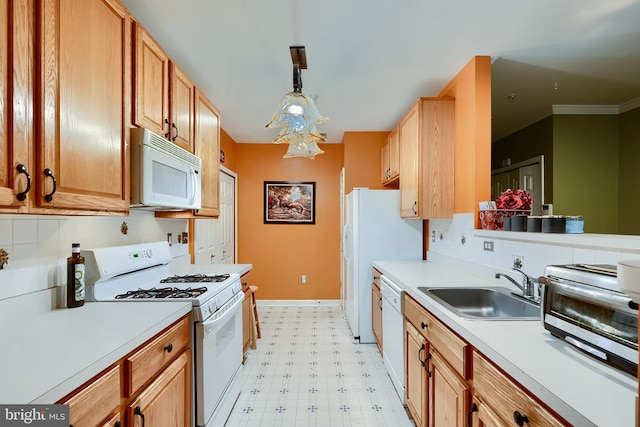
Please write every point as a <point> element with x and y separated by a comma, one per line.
<point>151,86</point>
<point>394,155</point>
<point>182,103</point>
<point>246,321</point>
<point>416,375</point>
<point>376,314</point>
<point>409,158</point>
<point>16,94</point>
<point>166,402</point>
<point>448,394</point>
<point>480,415</point>
<point>83,160</point>
<point>207,147</point>
<point>96,401</point>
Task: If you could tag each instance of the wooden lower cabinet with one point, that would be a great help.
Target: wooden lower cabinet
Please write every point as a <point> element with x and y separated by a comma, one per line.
<point>166,402</point>
<point>481,415</point>
<point>97,401</point>
<point>376,314</point>
<point>153,383</point>
<point>448,394</point>
<point>416,381</point>
<point>507,399</point>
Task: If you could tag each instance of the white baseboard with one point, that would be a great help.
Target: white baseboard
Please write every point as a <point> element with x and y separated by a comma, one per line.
<point>298,303</point>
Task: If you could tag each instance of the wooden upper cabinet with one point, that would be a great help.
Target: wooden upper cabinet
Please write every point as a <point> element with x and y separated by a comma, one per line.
<point>207,147</point>
<point>17,39</point>
<point>182,102</point>
<point>151,85</point>
<point>84,114</point>
<point>164,96</point>
<point>426,136</point>
<point>391,159</point>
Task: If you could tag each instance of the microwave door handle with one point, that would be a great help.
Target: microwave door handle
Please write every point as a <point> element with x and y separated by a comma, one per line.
<point>194,182</point>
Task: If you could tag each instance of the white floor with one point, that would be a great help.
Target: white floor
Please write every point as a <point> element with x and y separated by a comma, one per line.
<point>307,371</point>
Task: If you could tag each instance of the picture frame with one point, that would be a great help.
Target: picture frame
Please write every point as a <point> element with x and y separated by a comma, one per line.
<point>289,202</point>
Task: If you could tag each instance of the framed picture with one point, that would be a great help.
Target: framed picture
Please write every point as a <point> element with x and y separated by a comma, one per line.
<point>289,202</point>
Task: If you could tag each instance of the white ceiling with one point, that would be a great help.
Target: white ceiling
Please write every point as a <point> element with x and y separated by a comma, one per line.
<point>369,60</point>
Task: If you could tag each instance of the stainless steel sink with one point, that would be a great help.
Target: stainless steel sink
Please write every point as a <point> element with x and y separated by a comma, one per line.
<point>484,303</point>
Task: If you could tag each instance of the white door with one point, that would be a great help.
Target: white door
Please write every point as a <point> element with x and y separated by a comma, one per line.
<point>227,221</point>
<point>215,239</point>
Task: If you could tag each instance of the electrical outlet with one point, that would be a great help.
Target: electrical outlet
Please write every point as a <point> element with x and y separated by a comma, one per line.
<point>517,261</point>
<point>303,279</point>
<point>433,236</point>
<point>185,237</point>
<point>170,239</point>
<point>488,245</point>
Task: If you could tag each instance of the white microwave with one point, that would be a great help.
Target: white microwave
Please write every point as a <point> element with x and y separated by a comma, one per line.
<point>163,175</point>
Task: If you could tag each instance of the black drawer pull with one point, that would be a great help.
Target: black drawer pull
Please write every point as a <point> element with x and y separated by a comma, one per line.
<point>423,325</point>
<point>49,197</point>
<point>520,419</point>
<point>138,411</point>
<point>168,348</point>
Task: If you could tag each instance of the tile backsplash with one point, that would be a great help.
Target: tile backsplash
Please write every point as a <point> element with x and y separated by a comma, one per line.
<point>457,238</point>
<point>39,245</point>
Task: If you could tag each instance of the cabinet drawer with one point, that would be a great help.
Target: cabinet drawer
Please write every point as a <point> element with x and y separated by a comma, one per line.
<point>506,397</point>
<point>99,399</point>
<point>142,365</point>
<point>452,348</point>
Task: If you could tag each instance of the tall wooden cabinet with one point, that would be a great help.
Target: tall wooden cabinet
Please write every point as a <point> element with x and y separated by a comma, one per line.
<point>164,95</point>
<point>426,138</point>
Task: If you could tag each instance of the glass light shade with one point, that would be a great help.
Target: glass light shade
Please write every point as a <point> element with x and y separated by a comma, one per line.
<point>296,113</point>
<point>309,150</point>
<point>286,136</point>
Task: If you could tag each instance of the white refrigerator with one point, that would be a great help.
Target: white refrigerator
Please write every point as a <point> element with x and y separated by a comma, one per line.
<point>373,230</point>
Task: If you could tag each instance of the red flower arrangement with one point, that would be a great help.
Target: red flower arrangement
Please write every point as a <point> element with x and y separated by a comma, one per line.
<point>508,204</point>
<point>514,199</point>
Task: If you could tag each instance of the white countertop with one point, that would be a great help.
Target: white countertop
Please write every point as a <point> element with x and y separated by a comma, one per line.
<point>47,355</point>
<point>581,389</point>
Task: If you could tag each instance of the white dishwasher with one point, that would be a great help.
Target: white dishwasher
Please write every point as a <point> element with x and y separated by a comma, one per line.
<point>393,333</point>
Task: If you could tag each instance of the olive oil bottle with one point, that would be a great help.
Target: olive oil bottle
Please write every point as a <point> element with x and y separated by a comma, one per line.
<point>75,277</point>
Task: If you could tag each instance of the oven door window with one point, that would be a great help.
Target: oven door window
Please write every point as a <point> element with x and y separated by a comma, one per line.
<point>609,322</point>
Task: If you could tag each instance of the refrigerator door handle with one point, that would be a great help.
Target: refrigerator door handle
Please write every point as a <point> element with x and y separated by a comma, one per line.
<point>345,248</point>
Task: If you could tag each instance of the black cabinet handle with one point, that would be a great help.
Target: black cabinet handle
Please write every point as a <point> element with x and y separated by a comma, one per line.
<point>424,362</point>
<point>23,169</point>
<point>423,325</point>
<point>168,348</point>
<point>117,424</point>
<point>415,212</point>
<point>166,122</point>
<point>520,419</point>
<point>474,408</point>
<point>48,172</point>
<point>138,411</point>
<point>173,125</point>
<point>380,303</point>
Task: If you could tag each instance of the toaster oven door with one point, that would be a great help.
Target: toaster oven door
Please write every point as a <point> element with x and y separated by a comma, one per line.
<point>599,321</point>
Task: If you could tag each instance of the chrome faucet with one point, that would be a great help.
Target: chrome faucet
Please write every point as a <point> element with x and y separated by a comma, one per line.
<point>528,286</point>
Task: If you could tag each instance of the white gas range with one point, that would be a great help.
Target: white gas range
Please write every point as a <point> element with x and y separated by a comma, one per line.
<point>140,272</point>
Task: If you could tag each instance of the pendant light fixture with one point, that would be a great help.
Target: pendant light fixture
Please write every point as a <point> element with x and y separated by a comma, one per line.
<point>297,115</point>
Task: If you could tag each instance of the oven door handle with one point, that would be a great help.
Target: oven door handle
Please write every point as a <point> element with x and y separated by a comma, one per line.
<point>230,310</point>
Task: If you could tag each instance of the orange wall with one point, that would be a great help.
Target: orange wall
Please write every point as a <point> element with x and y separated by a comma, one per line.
<point>472,91</point>
<point>281,253</point>
<point>362,159</point>
<point>228,145</point>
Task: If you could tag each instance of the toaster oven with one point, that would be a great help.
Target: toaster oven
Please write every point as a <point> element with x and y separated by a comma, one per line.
<point>584,305</point>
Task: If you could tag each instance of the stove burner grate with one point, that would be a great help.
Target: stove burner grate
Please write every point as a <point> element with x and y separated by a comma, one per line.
<point>195,278</point>
<point>162,293</point>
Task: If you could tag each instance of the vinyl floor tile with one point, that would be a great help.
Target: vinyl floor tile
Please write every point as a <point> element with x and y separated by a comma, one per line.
<point>308,371</point>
